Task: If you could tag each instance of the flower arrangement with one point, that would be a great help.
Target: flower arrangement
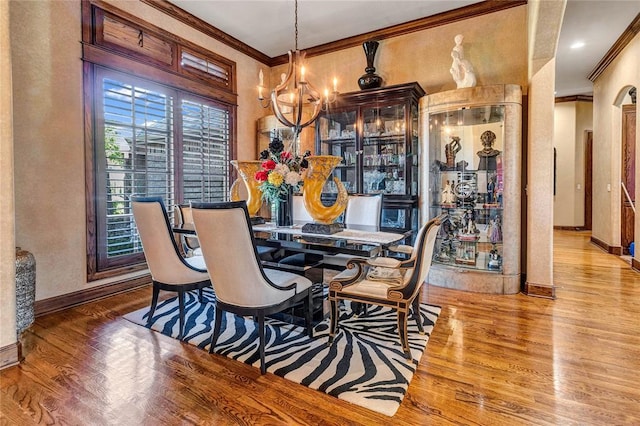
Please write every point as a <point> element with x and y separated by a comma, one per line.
<point>280,171</point>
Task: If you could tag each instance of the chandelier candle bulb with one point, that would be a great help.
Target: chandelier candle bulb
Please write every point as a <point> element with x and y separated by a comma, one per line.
<point>302,74</point>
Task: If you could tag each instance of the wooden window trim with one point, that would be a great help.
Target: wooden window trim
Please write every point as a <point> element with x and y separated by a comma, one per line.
<point>128,62</point>
<point>93,12</point>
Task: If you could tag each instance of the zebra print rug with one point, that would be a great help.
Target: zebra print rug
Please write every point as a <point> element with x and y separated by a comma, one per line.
<point>365,364</point>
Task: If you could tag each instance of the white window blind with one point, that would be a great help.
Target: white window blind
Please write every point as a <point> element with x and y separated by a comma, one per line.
<point>152,140</point>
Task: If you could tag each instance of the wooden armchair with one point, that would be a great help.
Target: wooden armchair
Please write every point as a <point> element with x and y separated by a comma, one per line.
<point>387,282</point>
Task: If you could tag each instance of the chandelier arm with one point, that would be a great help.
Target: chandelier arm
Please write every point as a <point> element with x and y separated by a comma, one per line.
<point>283,84</point>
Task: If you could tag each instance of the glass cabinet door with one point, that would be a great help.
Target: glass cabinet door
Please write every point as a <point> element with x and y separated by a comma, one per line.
<point>337,135</point>
<point>383,150</point>
<point>467,182</point>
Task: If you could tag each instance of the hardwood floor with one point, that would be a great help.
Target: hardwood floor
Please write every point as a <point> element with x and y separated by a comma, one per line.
<point>492,360</point>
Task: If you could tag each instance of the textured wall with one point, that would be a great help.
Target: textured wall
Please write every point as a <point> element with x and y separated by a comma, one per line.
<point>609,90</point>
<point>564,141</point>
<point>7,243</point>
<point>496,45</point>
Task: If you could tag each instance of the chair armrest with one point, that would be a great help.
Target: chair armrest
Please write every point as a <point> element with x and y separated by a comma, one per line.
<point>402,248</point>
<point>384,262</point>
<point>355,272</point>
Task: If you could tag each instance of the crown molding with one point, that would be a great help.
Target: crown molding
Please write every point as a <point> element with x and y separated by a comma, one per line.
<point>624,39</point>
<point>474,10</point>
<point>575,98</point>
<point>213,32</point>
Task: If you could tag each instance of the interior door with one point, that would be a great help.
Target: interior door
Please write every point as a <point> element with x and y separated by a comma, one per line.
<point>628,174</point>
<point>588,180</point>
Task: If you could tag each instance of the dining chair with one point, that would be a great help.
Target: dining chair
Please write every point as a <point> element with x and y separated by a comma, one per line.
<point>242,286</point>
<point>300,213</point>
<point>387,282</point>
<point>364,212</point>
<point>299,261</point>
<point>190,244</point>
<point>170,271</point>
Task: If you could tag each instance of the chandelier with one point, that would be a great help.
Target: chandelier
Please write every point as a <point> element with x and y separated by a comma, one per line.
<point>295,102</point>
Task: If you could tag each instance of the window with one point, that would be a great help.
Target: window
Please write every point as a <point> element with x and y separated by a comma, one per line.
<point>160,114</point>
<point>152,140</point>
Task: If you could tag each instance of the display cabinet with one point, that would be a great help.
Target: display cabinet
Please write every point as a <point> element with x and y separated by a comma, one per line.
<point>376,133</point>
<point>472,138</point>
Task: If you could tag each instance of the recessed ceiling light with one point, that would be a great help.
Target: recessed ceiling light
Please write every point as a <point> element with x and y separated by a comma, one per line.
<point>577,45</point>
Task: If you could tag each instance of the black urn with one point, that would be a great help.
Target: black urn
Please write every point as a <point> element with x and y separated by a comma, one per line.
<point>370,80</point>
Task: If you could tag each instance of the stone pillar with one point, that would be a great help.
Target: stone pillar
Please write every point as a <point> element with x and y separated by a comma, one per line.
<point>539,186</point>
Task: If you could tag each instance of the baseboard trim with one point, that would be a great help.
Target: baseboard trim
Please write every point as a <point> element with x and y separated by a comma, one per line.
<point>64,301</point>
<point>538,290</point>
<point>10,355</point>
<point>635,265</point>
<point>570,228</point>
<point>606,247</point>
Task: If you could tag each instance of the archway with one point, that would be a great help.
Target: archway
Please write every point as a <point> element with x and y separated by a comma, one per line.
<point>627,168</point>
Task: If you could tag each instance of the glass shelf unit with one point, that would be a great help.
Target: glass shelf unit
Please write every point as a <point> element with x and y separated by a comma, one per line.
<point>473,153</point>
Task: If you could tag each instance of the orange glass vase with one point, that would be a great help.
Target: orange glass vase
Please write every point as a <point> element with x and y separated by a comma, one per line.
<point>247,171</point>
<point>319,170</point>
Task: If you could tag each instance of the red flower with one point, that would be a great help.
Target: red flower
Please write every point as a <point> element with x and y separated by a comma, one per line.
<point>262,175</point>
<point>285,156</point>
<point>269,165</point>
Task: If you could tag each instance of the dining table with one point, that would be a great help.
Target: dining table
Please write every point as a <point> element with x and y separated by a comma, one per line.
<point>308,251</point>
<point>365,241</point>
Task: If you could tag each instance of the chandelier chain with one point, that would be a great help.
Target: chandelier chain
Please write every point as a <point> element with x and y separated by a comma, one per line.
<point>296,22</point>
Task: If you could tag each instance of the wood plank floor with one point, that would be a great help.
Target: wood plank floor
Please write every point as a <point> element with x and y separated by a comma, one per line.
<point>492,360</point>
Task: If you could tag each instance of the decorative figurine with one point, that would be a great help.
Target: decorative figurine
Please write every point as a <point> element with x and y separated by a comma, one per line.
<point>488,154</point>
<point>461,69</point>
<point>495,231</point>
<point>448,197</point>
<point>469,224</point>
<point>450,151</point>
<point>495,260</point>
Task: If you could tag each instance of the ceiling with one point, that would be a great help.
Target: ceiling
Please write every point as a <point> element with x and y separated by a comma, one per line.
<point>268,26</point>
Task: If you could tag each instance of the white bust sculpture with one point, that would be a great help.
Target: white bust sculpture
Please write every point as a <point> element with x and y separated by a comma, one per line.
<point>461,69</point>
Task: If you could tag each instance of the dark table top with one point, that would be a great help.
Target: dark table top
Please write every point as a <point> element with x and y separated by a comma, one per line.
<point>352,241</point>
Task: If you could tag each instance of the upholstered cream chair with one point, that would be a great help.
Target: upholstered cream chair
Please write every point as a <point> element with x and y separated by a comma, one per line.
<point>190,244</point>
<point>241,284</point>
<point>300,213</point>
<point>387,282</point>
<point>169,270</point>
<point>363,212</point>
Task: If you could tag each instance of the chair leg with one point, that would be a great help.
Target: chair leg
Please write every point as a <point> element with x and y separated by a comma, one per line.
<point>154,303</point>
<point>263,367</point>
<point>416,314</point>
<point>216,328</point>
<point>335,313</point>
<point>308,313</point>
<point>181,311</point>
<point>402,330</point>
